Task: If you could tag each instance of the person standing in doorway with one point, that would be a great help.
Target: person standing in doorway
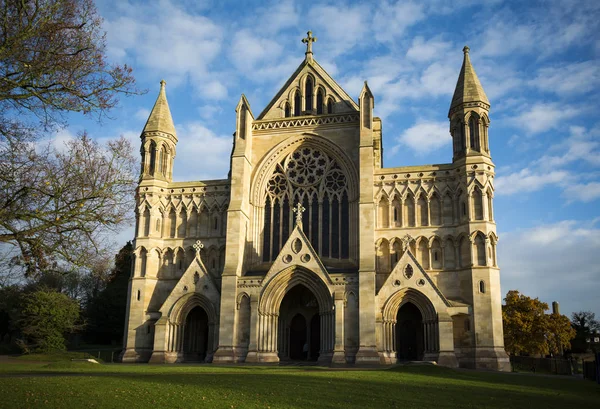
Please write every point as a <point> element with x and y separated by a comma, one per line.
<point>305,351</point>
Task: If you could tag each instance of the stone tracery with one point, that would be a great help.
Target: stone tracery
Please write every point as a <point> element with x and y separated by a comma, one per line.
<point>313,179</point>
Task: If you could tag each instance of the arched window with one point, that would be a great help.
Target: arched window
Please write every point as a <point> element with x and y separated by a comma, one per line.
<point>479,247</point>
<point>297,103</point>
<point>138,294</point>
<point>152,157</point>
<point>287,110</point>
<point>314,179</point>
<point>435,210</point>
<point>146,222</point>
<point>396,253</point>
<point>308,94</point>
<point>383,257</point>
<point>172,223</point>
<point>320,102</point>
<point>422,211</point>
<point>383,213</point>
<point>474,132</point>
<point>477,204</point>
<point>423,254</point>
<point>330,106</point>
<point>482,287</point>
<point>436,254</point>
<point>410,210</point>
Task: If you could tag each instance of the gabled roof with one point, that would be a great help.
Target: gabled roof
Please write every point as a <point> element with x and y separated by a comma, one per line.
<point>298,251</point>
<point>160,119</point>
<point>468,87</point>
<point>309,65</point>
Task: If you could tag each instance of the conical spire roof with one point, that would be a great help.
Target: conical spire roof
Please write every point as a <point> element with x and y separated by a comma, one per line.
<point>468,87</point>
<point>160,118</point>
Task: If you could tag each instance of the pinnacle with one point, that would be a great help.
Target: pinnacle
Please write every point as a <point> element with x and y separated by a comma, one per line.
<point>468,87</point>
<point>160,119</point>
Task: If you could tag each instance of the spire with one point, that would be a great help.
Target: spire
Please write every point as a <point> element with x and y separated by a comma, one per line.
<point>468,87</point>
<point>160,119</point>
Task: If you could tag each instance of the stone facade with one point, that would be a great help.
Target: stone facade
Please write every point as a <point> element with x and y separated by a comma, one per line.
<point>310,249</point>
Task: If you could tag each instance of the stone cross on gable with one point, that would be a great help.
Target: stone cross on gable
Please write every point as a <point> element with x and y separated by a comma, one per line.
<point>308,41</point>
<point>299,209</point>
<point>198,246</point>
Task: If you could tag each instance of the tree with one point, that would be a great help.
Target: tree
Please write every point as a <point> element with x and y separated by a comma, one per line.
<point>585,324</point>
<point>46,316</point>
<point>529,330</point>
<point>56,202</point>
<point>104,311</point>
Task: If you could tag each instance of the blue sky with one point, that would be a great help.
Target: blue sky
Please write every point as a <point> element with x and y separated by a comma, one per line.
<point>539,63</point>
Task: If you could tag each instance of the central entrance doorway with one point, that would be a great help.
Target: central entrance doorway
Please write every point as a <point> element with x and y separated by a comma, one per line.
<point>195,341</point>
<point>409,333</point>
<point>299,326</point>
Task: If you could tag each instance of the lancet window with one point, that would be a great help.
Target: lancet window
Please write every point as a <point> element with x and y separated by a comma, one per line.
<point>312,178</point>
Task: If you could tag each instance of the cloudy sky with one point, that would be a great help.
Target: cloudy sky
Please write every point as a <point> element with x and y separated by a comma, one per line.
<point>538,61</point>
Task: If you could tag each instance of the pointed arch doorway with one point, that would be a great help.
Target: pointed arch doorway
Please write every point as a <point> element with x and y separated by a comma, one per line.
<point>299,326</point>
<point>296,290</point>
<point>409,333</point>
<point>195,341</point>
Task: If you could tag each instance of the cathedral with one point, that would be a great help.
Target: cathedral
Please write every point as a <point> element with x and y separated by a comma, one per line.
<point>311,250</point>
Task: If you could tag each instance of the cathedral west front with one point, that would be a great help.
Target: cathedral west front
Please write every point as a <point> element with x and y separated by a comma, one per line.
<point>311,249</point>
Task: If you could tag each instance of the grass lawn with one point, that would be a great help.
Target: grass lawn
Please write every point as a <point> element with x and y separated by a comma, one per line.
<point>28,384</point>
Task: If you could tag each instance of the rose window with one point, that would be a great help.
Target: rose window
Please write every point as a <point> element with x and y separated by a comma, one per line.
<point>306,166</point>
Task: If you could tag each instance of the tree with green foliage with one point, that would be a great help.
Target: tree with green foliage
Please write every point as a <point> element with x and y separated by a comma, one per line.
<point>46,316</point>
<point>528,330</point>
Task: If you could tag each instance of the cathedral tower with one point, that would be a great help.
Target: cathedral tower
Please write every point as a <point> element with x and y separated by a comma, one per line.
<point>469,123</point>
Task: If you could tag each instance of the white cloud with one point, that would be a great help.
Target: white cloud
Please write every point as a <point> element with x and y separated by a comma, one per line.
<point>392,19</point>
<point>553,262</point>
<point>581,145</point>
<point>422,51</point>
<point>342,27</point>
<point>165,39</point>
<point>527,180</point>
<point>201,154</point>
<point>541,117</point>
<point>574,78</point>
<point>439,79</point>
<point>425,137</point>
<point>249,49</point>
<point>584,192</point>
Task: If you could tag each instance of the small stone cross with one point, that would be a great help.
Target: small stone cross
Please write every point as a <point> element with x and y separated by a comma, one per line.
<point>198,246</point>
<point>299,209</point>
<point>308,41</point>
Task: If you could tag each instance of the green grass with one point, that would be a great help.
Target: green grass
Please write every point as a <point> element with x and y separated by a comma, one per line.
<point>80,384</point>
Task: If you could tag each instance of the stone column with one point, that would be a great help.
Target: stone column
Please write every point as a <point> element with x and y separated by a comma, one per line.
<point>339,355</point>
<point>253,344</point>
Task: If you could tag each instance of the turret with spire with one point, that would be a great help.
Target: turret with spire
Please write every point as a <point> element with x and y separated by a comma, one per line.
<point>468,113</point>
<point>159,140</point>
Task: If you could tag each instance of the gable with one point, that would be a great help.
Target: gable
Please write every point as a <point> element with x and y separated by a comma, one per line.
<point>418,280</point>
<point>196,279</point>
<point>297,251</point>
<point>342,102</point>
